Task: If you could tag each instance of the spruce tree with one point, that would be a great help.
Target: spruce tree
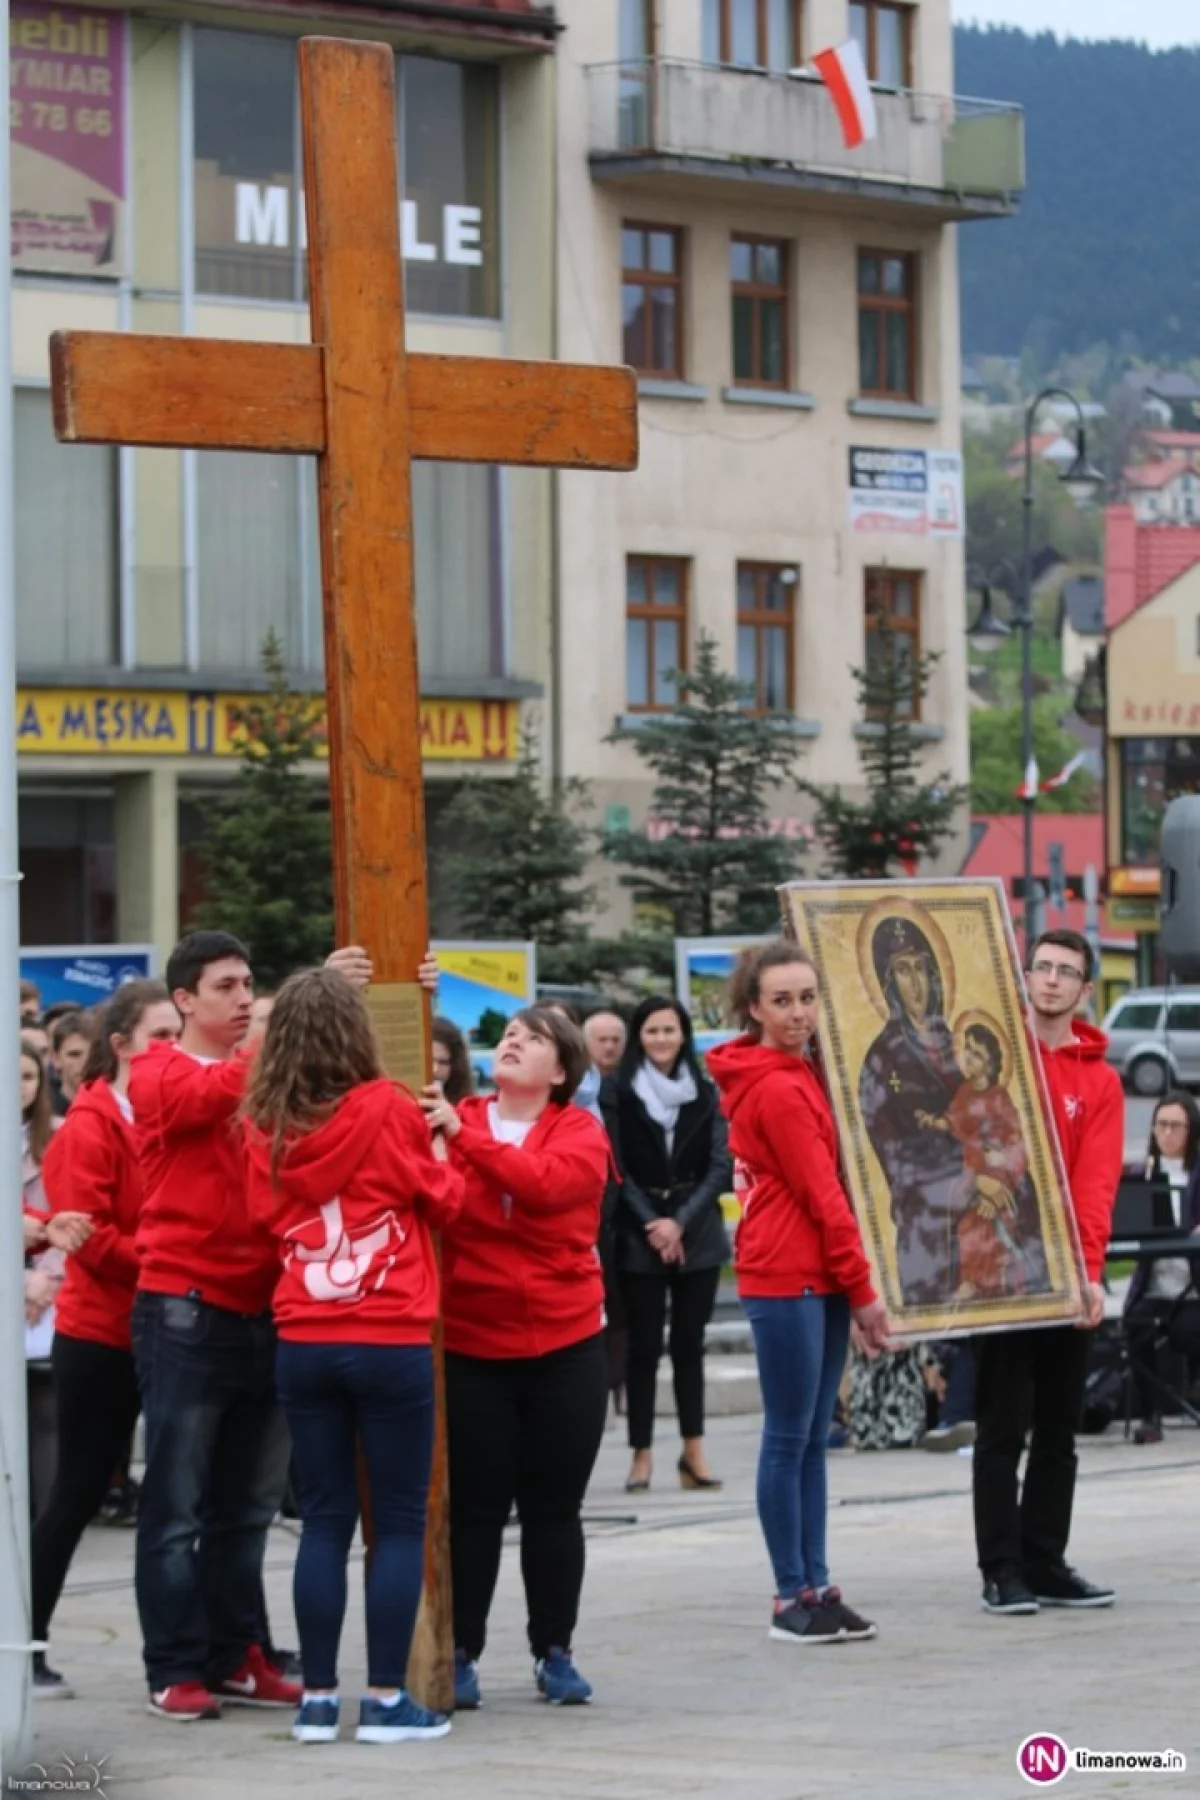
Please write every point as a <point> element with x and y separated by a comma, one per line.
<point>708,860</point>
<point>266,847</point>
<point>514,856</point>
<point>904,817</point>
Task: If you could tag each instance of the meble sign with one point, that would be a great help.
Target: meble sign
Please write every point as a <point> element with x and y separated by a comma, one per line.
<point>263,219</point>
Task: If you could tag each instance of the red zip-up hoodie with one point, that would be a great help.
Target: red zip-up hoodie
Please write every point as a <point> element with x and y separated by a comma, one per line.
<point>522,1274</point>
<point>797,1229</point>
<point>1089,1111</point>
<point>92,1167</point>
<point>195,1235</point>
<point>351,1208</point>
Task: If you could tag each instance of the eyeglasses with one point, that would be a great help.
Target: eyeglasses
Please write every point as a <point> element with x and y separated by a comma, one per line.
<point>1170,1124</point>
<point>1064,971</point>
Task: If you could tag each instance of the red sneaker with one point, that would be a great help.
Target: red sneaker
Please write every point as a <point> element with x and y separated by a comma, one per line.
<point>256,1683</point>
<point>184,1702</point>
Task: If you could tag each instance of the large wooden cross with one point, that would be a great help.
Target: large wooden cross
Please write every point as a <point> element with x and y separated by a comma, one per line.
<point>355,400</point>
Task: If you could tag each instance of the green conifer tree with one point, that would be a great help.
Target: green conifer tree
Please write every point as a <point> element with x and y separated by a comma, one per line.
<point>266,847</point>
<point>905,816</point>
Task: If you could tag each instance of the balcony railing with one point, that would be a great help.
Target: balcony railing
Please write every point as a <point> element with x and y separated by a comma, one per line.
<point>662,108</point>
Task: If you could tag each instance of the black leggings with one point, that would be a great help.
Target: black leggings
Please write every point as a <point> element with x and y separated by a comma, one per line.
<point>526,1429</point>
<point>98,1405</point>
<point>693,1294</point>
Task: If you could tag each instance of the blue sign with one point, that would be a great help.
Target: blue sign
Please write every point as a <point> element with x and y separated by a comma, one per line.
<point>85,974</point>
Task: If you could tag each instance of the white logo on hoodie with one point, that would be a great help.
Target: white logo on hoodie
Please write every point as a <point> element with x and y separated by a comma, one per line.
<point>341,1267</point>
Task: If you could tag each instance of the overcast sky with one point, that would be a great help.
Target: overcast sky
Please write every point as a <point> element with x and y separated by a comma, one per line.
<point>1157,22</point>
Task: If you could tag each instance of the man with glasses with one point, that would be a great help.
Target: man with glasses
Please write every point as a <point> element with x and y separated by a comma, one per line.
<point>1039,1374</point>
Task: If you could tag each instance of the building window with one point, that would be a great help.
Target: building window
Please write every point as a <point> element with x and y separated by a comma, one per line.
<point>248,202</point>
<point>655,630</point>
<point>68,891</point>
<point>752,34</point>
<point>652,299</point>
<point>1154,771</point>
<point>635,52</point>
<point>758,274</point>
<point>887,324</point>
<point>893,626</point>
<point>65,544</point>
<point>766,636</point>
<point>884,34</point>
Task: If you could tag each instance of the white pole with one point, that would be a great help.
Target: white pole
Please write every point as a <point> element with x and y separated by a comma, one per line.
<point>16,1724</point>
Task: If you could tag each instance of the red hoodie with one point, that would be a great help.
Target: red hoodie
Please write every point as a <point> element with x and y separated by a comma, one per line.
<point>1089,1111</point>
<point>194,1235</point>
<point>521,1270</point>
<point>352,1206</point>
<point>92,1167</point>
<point>797,1229</point>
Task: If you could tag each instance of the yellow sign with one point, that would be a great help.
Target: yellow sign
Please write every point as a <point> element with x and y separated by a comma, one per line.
<point>150,722</point>
<point>1133,881</point>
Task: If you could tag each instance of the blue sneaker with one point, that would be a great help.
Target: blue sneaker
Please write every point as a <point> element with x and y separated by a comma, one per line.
<point>316,1722</point>
<point>467,1697</point>
<point>394,1721</point>
<point>559,1681</point>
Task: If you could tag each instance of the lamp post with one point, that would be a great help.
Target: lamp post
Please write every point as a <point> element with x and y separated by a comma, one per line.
<point>1082,481</point>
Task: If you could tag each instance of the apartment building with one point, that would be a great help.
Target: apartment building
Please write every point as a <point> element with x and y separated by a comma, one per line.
<point>791,308</point>
<point>156,188</point>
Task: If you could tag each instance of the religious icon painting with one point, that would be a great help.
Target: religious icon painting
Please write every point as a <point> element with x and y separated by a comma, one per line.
<point>949,1151</point>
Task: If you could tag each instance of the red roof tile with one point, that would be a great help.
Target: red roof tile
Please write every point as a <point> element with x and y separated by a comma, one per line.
<point>1157,475</point>
<point>1141,560</point>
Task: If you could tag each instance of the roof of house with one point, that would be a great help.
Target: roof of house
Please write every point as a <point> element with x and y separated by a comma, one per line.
<point>1145,476</point>
<point>1141,560</point>
<point>1083,605</point>
<point>998,849</point>
<point>1171,441</point>
<point>1042,443</point>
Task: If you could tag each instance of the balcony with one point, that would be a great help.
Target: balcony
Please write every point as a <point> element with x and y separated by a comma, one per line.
<point>661,121</point>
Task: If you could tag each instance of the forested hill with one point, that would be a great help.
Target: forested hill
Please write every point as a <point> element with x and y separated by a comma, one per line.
<point>1107,245</point>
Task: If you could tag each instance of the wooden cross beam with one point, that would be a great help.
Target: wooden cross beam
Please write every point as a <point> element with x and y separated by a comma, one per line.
<point>357,402</point>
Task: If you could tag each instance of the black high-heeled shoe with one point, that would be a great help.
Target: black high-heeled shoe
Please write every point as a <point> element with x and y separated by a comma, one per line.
<point>688,1477</point>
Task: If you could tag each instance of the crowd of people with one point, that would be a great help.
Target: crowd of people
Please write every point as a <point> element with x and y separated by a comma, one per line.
<point>230,1219</point>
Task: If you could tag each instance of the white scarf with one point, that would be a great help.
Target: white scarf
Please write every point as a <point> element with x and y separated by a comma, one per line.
<point>663,1095</point>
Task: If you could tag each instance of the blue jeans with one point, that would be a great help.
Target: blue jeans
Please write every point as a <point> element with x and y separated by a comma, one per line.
<point>801,1345</point>
<point>216,1466</point>
<point>339,1397</point>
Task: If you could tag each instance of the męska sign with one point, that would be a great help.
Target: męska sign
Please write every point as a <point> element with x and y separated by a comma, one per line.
<point>153,722</point>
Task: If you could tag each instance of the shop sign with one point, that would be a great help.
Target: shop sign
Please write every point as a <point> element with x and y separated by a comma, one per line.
<point>1138,913</point>
<point>262,217</point>
<point>66,115</point>
<point>150,722</point>
<point>84,974</point>
<point>1133,881</point>
<point>912,493</point>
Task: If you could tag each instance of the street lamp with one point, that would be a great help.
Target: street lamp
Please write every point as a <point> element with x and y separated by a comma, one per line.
<point>1083,482</point>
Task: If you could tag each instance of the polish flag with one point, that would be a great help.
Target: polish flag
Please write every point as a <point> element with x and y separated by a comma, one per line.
<point>845,75</point>
<point>1029,788</point>
<point>1064,775</point>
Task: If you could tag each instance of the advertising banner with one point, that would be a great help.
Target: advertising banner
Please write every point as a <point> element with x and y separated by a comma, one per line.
<point>85,974</point>
<point>480,987</point>
<point>912,493</point>
<point>67,136</point>
<point>154,722</point>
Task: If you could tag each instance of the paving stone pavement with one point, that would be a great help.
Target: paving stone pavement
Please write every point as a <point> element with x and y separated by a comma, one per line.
<point>693,1701</point>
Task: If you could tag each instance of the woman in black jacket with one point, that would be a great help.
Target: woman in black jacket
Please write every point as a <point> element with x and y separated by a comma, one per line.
<point>671,1146</point>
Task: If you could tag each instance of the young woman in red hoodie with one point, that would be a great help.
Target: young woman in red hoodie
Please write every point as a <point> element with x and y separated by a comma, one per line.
<point>802,1275</point>
<point>92,1167</point>
<point>526,1369</point>
<point>343,1173</point>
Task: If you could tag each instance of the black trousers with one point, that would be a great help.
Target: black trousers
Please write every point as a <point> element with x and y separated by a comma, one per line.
<point>1024,1378</point>
<point>527,1430</point>
<point>693,1294</point>
<point>97,1398</point>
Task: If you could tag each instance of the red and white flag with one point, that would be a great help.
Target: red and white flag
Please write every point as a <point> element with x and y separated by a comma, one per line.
<point>1028,789</point>
<point>1064,775</point>
<point>845,75</point>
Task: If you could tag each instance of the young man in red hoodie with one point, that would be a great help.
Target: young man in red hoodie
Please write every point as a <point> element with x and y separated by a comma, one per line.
<point>1040,1373</point>
<point>217,1446</point>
